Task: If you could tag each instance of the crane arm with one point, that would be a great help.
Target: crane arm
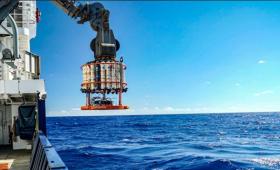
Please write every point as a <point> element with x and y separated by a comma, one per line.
<point>95,13</point>
<point>103,45</point>
<point>6,6</point>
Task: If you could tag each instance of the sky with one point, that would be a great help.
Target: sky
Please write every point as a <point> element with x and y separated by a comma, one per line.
<point>182,57</point>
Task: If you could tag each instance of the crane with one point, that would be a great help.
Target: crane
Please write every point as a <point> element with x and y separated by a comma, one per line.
<point>99,76</point>
<point>22,94</point>
<point>104,44</point>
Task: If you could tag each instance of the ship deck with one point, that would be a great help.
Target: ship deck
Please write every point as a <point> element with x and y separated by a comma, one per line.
<point>14,160</point>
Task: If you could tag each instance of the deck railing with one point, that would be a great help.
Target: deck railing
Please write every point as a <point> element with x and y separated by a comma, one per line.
<point>44,155</point>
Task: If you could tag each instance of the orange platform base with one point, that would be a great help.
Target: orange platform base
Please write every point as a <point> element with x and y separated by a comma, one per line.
<point>104,107</point>
<point>4,166</point>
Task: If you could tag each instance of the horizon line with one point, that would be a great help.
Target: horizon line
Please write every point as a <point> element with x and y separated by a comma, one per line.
<point>160,114</point>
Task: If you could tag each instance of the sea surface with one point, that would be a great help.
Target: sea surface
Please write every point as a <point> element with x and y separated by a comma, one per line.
<point>191,141</point>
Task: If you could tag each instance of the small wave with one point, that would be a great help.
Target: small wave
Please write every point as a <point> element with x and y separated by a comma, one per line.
<point>187,142</point>
<point>222,133</point>
<point>193,162</point>
<point>202,147</point>
<point>144,150</point>
<point>130,140</point>
<point>142,125</point>
<point>222,164</point>
<point>126,140</point>
<point>86,148</point>
<point>271,162</point>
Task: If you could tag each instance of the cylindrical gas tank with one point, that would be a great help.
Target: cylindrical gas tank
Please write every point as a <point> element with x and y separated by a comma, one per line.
<point>113,79</point>
<point>87,76</point>
<point>123,75</point>
<point>84,78</point>
<point>97,77</point>
<point>118,75</point>
<point>109,75</point>
<point>92,76</point>
<point>102,75</point>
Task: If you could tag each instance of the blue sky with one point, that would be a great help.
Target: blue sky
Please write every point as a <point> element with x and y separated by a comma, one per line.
<point>182,57</point>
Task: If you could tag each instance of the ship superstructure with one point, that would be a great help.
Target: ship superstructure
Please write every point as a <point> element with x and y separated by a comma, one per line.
<point>20,83</point>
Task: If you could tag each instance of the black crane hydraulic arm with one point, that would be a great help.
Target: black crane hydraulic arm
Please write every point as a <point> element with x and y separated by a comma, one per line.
<point>104,45</point>
<point>6,6</point>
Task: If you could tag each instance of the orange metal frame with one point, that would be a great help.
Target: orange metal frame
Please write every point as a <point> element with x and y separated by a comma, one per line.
<point>104,107</point>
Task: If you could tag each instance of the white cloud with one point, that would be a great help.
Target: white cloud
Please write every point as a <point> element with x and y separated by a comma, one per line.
<point>170,110</point>
<point>265,92</point>
<point>78,112</point>
<point>139,111</point>
<point>156,108</point>
<point>237,84</point>
<point>261,62</point>
<point>251,108</point>
<point>75,109</point>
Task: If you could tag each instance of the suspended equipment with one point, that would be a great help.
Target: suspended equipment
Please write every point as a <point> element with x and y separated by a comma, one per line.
<point>102,78</point>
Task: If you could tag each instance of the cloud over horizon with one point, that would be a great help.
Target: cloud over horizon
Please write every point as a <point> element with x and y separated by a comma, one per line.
<point>265,92</point>
<point>261,62</point>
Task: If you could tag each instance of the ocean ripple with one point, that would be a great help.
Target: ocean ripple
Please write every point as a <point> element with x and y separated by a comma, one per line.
<point>189,142</point>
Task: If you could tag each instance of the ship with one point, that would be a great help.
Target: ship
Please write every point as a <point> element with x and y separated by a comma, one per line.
<point>23,132</point>
<point>22,96</point>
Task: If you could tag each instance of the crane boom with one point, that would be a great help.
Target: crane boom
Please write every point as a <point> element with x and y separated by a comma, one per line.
<point>6,6</point>
<point>94,12</point>
<point>104,44</point>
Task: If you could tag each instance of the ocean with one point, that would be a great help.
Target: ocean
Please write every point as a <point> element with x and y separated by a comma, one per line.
<point>156,142</point>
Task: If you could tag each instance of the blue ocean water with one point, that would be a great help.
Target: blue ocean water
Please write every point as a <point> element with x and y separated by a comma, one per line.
<point>192,141</point>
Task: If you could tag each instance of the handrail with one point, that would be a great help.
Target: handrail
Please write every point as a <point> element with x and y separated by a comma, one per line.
<point>44,155</point>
